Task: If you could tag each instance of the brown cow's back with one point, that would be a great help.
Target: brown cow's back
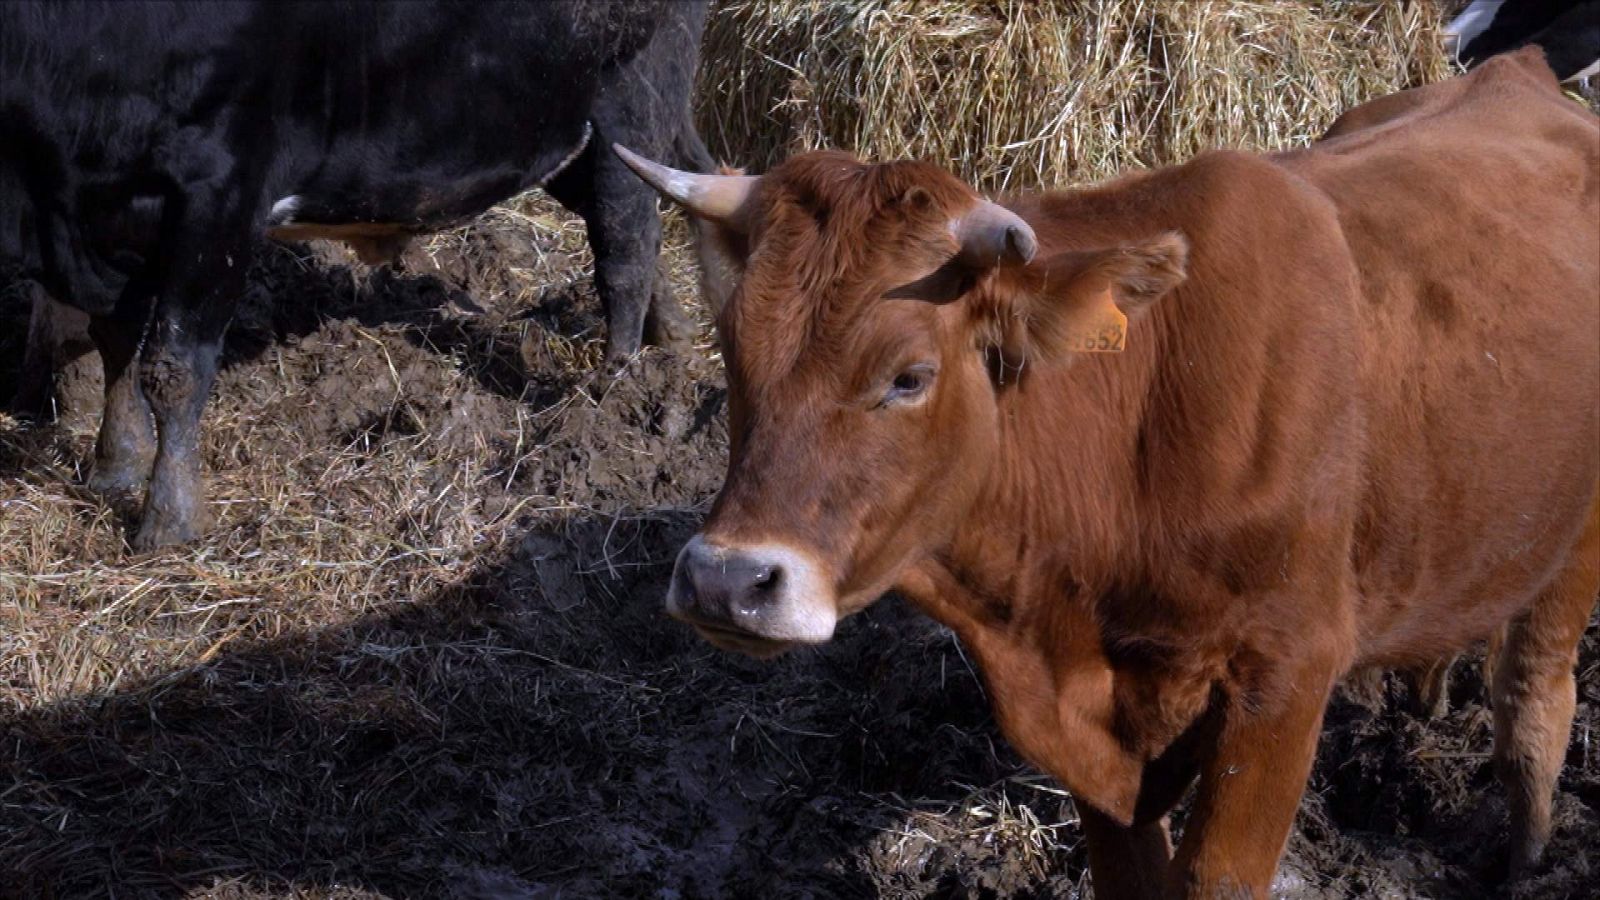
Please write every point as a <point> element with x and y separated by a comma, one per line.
<point>1403,319</point>
<point>1471,218</point>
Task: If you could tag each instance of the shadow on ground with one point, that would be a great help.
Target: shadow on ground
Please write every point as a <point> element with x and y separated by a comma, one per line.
<point>539,729</point>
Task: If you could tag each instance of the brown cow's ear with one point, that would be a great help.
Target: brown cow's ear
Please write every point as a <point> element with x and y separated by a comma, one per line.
<point>1081,301</point>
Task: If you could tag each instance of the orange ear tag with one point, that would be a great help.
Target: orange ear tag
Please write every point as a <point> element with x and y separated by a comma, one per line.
<point>1097,326</point>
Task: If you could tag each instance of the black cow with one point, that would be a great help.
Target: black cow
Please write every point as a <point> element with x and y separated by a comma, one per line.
<point>144,149</point>
<point>1568,30</point>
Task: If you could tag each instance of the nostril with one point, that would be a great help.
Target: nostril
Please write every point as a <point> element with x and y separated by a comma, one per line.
<point>764,583</point>
<point>767,578</point>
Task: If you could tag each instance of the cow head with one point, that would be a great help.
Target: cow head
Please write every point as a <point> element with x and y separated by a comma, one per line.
<point>874,312</point>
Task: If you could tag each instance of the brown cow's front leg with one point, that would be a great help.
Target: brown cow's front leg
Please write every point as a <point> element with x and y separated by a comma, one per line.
<point>1127,863</point>
<point>1249,791</point>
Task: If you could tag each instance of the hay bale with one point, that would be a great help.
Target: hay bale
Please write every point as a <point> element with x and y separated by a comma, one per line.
<point>1019,93</point>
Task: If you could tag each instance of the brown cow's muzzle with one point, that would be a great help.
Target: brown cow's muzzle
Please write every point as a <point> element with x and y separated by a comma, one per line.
<point>755,599</point>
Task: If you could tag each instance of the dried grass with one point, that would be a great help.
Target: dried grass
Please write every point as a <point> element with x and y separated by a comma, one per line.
<point>1020,93</point>
<point>421,658</point>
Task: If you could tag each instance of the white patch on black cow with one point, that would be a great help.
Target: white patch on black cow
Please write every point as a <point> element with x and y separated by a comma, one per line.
<point>583,144</point>
<point>283,211</point>
<point>1473,21</point>
<point>1568,31</point>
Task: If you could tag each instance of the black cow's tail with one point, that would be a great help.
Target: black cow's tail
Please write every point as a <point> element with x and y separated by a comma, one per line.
<point>1567,30</point>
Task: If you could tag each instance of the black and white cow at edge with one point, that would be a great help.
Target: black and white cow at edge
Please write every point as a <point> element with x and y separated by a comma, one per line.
<point>1567,30</point>
<point>145,148</point>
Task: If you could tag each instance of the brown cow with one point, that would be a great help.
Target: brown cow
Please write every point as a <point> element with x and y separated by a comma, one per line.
<point>1356,422</point>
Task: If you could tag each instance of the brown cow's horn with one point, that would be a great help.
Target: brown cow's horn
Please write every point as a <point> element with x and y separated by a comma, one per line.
<point>991,235</point>
<point>719,198</point>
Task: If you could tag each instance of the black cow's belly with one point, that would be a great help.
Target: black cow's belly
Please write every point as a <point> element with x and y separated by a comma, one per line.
<point>378,119</point>
<point>416,202</point>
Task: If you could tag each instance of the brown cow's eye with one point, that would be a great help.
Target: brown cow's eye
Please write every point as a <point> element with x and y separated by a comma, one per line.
<point>909,386</point>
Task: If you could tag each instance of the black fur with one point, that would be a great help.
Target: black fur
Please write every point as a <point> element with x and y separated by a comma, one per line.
<point>143,145</point>
<point>1567,30</point>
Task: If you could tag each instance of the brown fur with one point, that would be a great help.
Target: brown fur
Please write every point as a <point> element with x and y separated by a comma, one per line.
<point>1355,424</point>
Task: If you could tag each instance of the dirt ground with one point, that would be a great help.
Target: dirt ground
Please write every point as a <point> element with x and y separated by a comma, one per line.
<point>422,653</point>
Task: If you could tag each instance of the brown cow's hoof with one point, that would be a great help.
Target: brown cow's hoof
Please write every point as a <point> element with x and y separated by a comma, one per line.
<point>1526,852</point>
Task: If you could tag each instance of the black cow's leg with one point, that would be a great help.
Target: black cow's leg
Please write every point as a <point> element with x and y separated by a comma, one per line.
<point>625,234</point>
<point>645,106</point>
<point>57,334</point>
<point>126,448</point>
<point>176,371</point>
<point>665,323</point>
<point>176,368</point>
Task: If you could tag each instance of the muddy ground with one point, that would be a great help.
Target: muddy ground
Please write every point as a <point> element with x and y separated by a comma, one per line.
<point>422,653</point>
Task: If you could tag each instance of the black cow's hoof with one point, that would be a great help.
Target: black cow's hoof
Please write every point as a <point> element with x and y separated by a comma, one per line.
<point>115,481</point>
<point>32,401</point>
<point>155,534</point>
<point>172,516</point>
<point>616,362</point>
<point>667,326</point>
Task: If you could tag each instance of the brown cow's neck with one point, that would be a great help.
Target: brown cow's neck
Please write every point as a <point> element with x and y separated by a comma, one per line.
<point>1053,533</point>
